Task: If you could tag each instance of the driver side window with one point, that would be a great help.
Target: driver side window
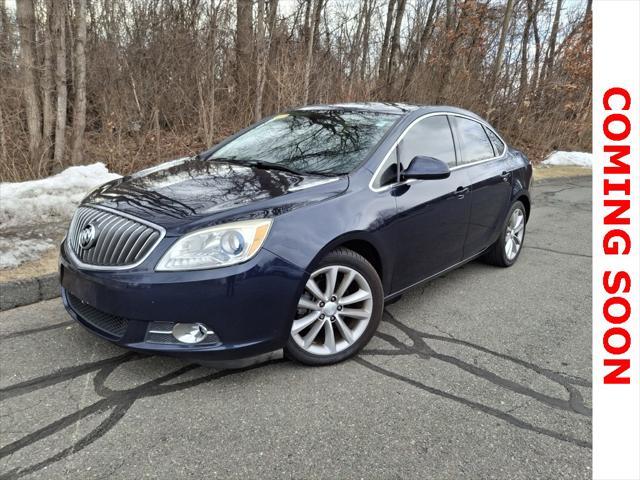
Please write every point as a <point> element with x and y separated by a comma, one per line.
<point>431,137</point>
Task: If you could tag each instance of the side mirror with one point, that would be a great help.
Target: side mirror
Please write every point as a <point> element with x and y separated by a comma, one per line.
<point>426,168</point>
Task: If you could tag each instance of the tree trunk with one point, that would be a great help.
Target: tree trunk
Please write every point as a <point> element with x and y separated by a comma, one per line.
<point>263,48</point>
<point>48,86</point>
<point>260,60</point>
<point>395,39</point>
<point>5,33</point>
<point>61,81</point>
<point>26,27</point>
<point>4,159</point>
<point>416,55</point>
<point>548,66</point>
<point>354,56</point>
<point>449,19</point>
<point>312,33</point>
<point>506,21</point>
<point>80,98</point>
<point>307,19</point>
<point>536,60</point>
<point>243,48</point>
<point>366,33</point>
<point>443,78</point>
<point>524,51</point>
<point>384,50</point>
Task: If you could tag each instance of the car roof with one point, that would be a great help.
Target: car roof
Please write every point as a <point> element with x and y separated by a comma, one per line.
<point>396,108</point>
<point>377,107</point>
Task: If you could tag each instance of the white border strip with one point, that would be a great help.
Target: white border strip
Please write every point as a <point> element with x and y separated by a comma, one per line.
<point>616,341</point>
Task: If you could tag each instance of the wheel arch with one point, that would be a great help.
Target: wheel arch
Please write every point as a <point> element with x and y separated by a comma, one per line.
<point>526,201</point>
<point>363,244</point>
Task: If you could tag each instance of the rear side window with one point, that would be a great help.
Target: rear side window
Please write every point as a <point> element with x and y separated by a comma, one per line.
<point>498,145</point>
<point>474,143</point>
<point>430,137</point>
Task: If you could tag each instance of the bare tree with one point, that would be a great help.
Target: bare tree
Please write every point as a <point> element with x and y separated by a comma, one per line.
<point>47,87</point>
<point>395,39</point>
<point>416,54</point>
<point>551,53</point>
<point>4,158</point>
<point>315,23</point>
<point>243,70</point>
<point>506,21</point>
<point>370,6</point>
<point>450,13</point>
<point>80,85</point>
<point>59,12</point>
<point>5,33</point>
<point>26,27</point>
<point>217,65</point>
<point>538,45</point>
<point>263,46</point>
<point>384,50</point>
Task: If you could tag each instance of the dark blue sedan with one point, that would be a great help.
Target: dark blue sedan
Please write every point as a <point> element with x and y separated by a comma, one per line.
<point>294,232</point>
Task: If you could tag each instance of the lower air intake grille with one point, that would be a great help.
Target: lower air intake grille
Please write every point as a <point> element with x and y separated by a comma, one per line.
<point>106,323</point>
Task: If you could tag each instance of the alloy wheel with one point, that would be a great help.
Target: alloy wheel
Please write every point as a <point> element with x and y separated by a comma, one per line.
<point>515,234</point>
<point>334,310</point>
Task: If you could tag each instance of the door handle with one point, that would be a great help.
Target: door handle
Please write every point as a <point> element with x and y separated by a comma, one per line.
<point>462,191</point>
<point>505,175</point>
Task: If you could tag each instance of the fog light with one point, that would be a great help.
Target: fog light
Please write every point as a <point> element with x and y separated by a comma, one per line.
<point>190,332</point>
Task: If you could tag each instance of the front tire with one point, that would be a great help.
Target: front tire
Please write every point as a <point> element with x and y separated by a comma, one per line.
<point>506,249</point>
<point>339,310</point>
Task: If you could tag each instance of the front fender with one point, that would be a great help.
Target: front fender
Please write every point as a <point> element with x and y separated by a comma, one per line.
<point>304,236</point>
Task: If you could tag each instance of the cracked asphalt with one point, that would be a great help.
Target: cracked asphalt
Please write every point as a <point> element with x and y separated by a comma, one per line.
<point>483,373</point>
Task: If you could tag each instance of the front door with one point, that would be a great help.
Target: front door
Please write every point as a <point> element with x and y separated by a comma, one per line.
<point>432,215</point>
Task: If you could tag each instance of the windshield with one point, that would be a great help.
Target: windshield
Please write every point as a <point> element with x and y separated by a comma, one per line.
<point>311,141</point>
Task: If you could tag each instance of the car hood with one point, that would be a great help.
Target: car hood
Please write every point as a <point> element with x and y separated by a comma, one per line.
<point>190,193</point>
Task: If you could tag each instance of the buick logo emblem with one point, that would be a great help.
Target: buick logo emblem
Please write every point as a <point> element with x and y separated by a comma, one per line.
<point>88,236</point>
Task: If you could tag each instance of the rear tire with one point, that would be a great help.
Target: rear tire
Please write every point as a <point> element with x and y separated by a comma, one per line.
<point>339,311</point>
<point>506,249</point>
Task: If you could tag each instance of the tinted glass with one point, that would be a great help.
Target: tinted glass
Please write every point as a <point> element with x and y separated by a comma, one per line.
<point>330,142</point>
<point>431,137</point>
<point>498,145</point>
<point>475,144</point>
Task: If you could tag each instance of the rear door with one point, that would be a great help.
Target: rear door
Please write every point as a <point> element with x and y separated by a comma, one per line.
<point>482,157</point>
<point>432,214</point>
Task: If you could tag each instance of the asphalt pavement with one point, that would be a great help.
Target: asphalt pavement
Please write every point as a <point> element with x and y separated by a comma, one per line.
<point>483,373</point>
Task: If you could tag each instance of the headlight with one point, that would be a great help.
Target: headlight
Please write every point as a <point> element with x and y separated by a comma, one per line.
<point>218,246</point>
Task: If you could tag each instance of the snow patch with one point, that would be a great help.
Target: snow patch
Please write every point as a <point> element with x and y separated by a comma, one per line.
<point>49,199</point>
<point>576,159</point>
<point>16,252</point>
<point>34,214</point>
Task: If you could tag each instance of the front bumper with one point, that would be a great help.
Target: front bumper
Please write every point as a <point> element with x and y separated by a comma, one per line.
<point>249,306</point>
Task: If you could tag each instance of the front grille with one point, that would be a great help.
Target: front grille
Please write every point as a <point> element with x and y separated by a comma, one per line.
<point>106,323</point>
<point>120,241</point>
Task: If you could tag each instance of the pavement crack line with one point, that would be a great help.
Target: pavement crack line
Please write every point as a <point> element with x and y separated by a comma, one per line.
<point>31,331</point>
<point>117,402</point>
<point>475,405</point>
<point>559,252</point>
<point>420,348</point>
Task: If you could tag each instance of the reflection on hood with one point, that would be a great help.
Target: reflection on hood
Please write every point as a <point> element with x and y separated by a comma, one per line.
<point>192,187</point>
